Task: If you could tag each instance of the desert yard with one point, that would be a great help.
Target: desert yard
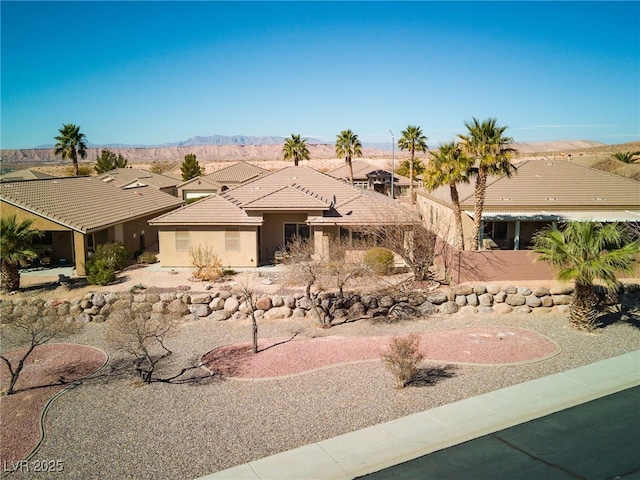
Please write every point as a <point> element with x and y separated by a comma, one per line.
<point>112,426</point>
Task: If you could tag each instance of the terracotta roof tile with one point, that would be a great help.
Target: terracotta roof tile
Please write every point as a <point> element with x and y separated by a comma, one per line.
<point>213,210</point>
<point>126,176</point>
<point>85,203</point>
<point>551,185</point>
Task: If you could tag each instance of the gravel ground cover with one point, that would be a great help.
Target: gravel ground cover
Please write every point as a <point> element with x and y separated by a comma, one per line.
<point>113,427</point>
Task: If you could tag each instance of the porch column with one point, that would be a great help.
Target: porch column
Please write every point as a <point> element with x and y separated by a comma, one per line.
<point>79,253</point>
<point>480,233</point>
<point>119,232</point>
<point>516,240</point>
<point>320,242</point>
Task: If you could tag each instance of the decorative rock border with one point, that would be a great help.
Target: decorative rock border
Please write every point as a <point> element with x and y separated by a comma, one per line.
<point>223,305</point>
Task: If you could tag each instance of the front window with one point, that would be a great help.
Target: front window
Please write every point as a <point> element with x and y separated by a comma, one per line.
<point>232,240</point>
<point>295,229</point>
<point>183,241</point>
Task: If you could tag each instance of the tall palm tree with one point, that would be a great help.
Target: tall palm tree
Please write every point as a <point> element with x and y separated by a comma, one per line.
<point>413,140</point>
<point>486,143</point>
<point>348,146</point>
<point>450,166</point>
<point>70,144</point>
<point>295,148</point>
<point>584,252</point>
<point>16,245</point>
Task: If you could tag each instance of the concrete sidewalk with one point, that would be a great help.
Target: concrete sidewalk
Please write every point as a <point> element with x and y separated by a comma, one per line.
<point>381,446</point>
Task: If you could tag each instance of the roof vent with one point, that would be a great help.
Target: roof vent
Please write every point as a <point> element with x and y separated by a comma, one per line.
<point>257,188</point>
<point>293,177</point>
<point>599,198</point>
<point>552,198</point>
<point>506,199</point>
<point>549,164</point>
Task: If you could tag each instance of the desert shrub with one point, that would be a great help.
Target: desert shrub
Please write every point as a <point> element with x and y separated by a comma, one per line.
<point>402,358</point>
<point>106,261</point>
<point>83,170</point>
<point>115,254</point>
<point>207,263</point>
<point>147,257</point>
<point>379,260</point>
<point>100,272</point>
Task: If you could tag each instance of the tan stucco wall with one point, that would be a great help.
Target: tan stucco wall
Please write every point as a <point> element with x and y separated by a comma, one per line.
<point>440,218</point>
<point>215,238</point>
<point>39,223</point>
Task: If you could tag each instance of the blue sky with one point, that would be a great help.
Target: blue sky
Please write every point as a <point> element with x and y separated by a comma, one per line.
<point>158,72</point>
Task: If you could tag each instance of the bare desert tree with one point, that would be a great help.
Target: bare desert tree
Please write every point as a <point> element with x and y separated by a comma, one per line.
<point>404,233</point>
<point>29,326</point>
<point>249,295</point>
<point>318,271</point>
<point>344,265</point>
<point>142,335</point>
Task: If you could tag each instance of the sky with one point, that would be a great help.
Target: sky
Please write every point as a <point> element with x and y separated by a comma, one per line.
<point>145,73</point>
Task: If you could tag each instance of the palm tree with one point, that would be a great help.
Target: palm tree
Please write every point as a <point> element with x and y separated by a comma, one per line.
<point>584,252</point>
<point>295,148</point>
<point>450,166</point>
<point>413,140</point>
<point>16,246</point>
<point>405,166</point>
<point>348,146</point>
<point>486,144</point>
<point>70,144</point>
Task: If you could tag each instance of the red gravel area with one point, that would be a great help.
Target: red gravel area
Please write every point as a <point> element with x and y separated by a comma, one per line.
<point>48,370</point>
<point>279,357</point>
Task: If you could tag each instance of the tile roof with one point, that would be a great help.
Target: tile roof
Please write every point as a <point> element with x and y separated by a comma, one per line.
<point>289,189</point>
<point>360,171</point>
<point>85,204</point>
<point>213,210</point>
<point>289,197</point>
<point>196,183</point>
<point>129,176</point>
<point>25,174</point>
<point>236,173</point>
<point>551,185</point>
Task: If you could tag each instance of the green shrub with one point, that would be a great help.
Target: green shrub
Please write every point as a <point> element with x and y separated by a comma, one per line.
<point>115,254</point>
<point>99,271</point>
<point>379,260</point>
<point>147,257</point>
<point>106,261</point>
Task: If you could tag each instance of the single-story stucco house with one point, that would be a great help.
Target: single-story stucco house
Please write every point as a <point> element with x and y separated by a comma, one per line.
<point>541,192</point>
<point>78,213</point>
<point>248,224</point>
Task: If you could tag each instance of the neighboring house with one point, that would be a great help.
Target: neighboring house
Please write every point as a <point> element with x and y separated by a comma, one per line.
<point>78,213</point>
<point>540,193</point>
<point>21,175</point>
<point>136,177</point>
<point>247,224</point>
<point>219,181</point>
<point>370,177</point>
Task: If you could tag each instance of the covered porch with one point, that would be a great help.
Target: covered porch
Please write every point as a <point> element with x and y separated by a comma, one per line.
<point>512,230</point>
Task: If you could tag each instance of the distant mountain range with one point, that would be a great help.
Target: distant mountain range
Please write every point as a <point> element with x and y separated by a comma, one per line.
<point>243,148</point>
<point>198,141</point>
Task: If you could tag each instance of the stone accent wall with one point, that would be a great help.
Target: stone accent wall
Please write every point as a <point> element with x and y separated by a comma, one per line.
<point>224,305</point>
